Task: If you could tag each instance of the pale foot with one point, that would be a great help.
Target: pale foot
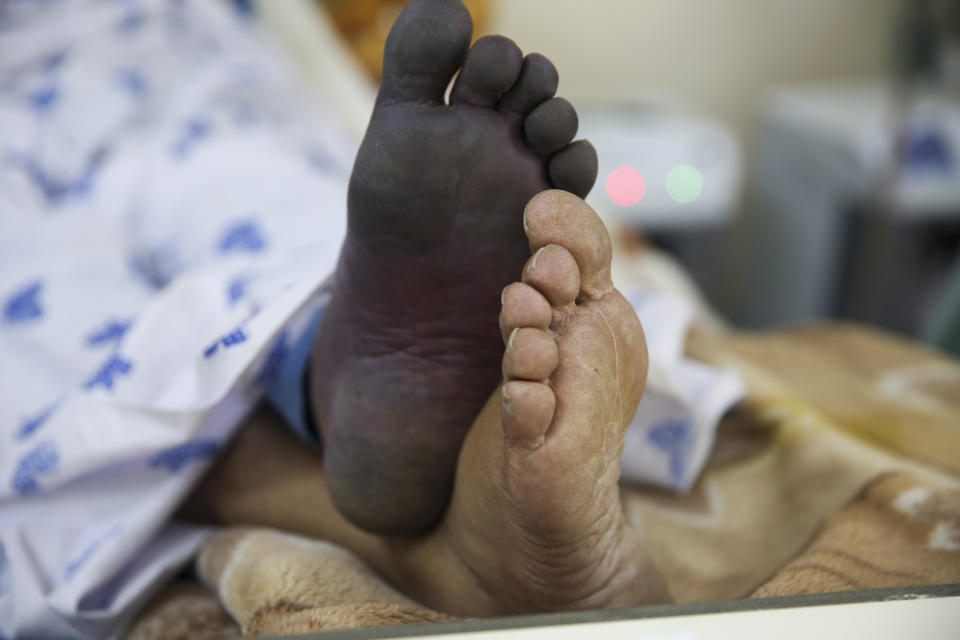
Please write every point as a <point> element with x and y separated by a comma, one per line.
<point>536,522</point>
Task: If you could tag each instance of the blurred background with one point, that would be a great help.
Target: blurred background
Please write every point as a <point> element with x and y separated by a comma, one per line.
<point>800,159</point>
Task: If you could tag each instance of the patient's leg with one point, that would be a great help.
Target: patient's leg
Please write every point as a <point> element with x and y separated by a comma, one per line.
<point>409,349</point>
<point>535,523</point>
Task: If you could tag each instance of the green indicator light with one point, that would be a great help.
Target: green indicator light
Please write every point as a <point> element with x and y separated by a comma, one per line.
<point>684,184</point>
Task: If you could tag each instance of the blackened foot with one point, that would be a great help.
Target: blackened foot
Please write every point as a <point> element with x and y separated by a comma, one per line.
<point>409,348</point>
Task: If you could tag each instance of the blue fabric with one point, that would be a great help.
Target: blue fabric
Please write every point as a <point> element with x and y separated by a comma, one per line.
<point>286,387</point>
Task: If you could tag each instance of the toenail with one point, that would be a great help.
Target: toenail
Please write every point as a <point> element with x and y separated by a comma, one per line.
<point>513,334</point>
<point>503,296</point>
<point>505,399</point>
<point>533,262</point>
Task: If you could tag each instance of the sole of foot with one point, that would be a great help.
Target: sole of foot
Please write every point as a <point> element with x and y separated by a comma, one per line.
<point>536,522</point>
<point>409,348</point>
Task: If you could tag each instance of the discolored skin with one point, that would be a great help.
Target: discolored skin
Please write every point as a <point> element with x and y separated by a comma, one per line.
<point>409,348</point>
<point>535,522</point>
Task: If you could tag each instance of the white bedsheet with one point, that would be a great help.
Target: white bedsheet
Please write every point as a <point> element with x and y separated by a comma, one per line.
<point>169,198</point>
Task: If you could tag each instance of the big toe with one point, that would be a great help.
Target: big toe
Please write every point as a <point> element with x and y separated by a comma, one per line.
<point>561,218</point>
<point>426,46</point>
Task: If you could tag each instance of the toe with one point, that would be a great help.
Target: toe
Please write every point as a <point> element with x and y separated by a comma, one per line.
<point>551,126</point>
<point>561,218</point>
<point>537,83</point>
<point>531,354</point>
<point>526,412</point>
<point>492,67</point>
<point>553,272</point>
<point>523,306</point>
<point>426,46</point>
<point>574,168</point>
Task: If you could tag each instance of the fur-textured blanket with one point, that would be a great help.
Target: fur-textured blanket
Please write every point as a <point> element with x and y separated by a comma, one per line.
<point>840,471</point>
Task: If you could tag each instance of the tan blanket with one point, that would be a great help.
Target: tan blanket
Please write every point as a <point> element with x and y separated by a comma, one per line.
<point>840,471</point>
